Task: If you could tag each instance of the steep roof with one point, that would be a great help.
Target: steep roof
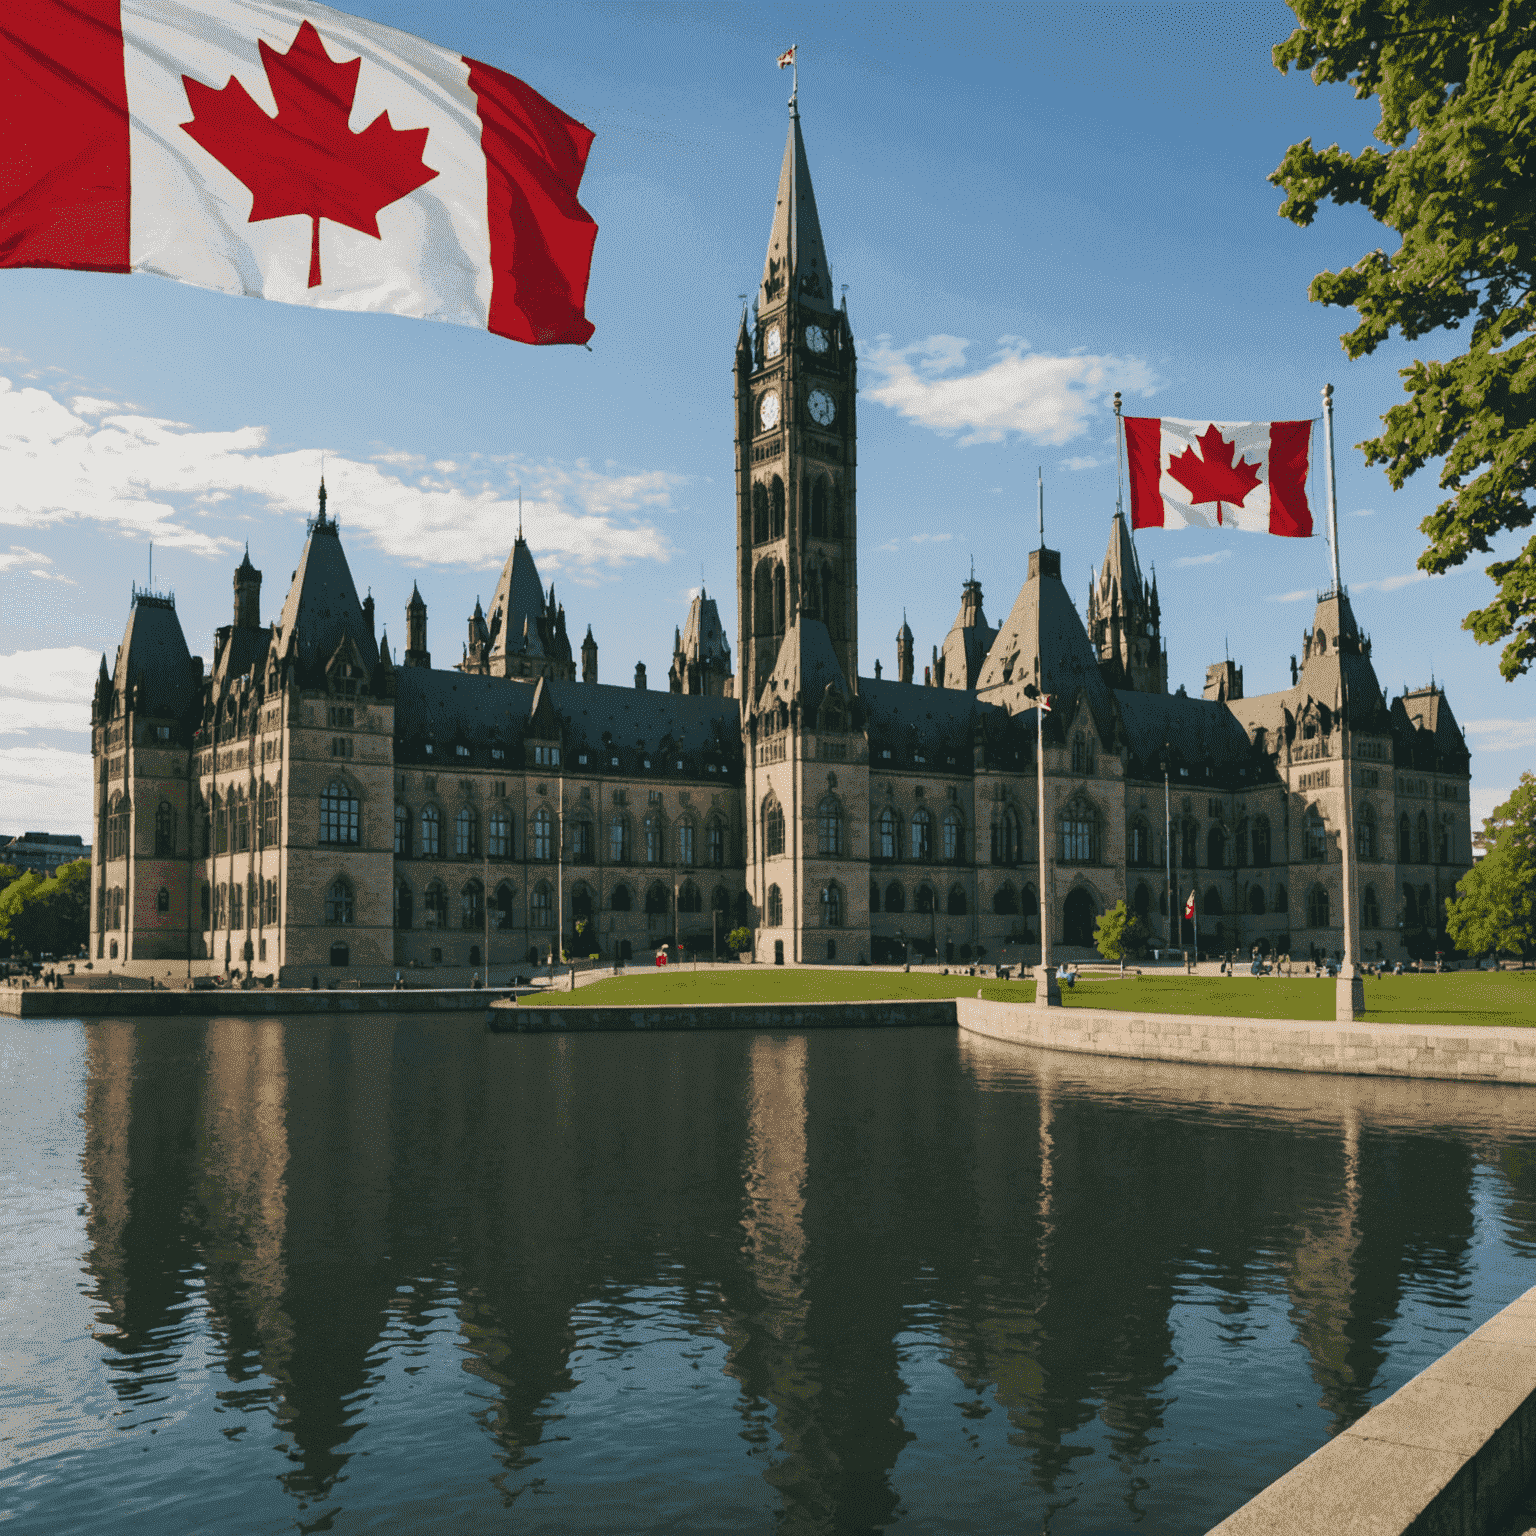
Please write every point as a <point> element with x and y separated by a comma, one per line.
<point>703,633</point>
<point>517,605</point>
<point>322,604</point>
<point>1069,667</point>
<point>937,722</point>
<point>796,254</point>
<point>1202,735</point>
<point>806,664</point>
<point>969,639</point>
<point>154,657</point>
<point>1120,583</point>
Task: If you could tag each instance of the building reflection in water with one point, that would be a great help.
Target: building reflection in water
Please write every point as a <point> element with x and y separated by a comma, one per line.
<point>317,1198</point>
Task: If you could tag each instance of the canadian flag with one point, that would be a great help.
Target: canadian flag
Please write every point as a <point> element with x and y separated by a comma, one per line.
<point>1220,474</point>
<point>286,151</point>
<point>1189,906</point>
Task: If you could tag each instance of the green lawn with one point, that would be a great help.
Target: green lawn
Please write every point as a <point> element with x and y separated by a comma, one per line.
<point>1471,997</point>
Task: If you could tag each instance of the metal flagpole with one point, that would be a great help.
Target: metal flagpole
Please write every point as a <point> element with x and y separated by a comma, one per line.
<point>1349,997</point>
<point>1168,843</point>
<point>1047,989</point>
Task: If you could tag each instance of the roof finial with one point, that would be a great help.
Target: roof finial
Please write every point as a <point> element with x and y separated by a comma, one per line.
<point>519,514</point>
<point>322,495</point>
<point>1040,486</point>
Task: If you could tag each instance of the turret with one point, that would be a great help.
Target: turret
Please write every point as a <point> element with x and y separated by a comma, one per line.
<point>416,652</point>
<point>247,594</point>
<point>904,656</point>
<point>589,658</point>
<point>640,675</point>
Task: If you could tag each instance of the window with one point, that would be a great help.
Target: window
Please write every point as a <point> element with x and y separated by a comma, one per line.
<point>236,904</point>
<point>500,843</point>
<point>652,832</point>
<point>1259,840</point>
<point>1139,850</point>
<point>618,841</point>
<point>498,754</point>
<point>1256,901</point>
<point>338,814</point>
<point>1365,833</point>
<point>773,829</point>
<point>1316,840</point>
<point>1370,909</point>
<point>435,907</point>
<point>1443,844</point>
<point>339,909</point>
<point>829,828</point>
<point>546,757</point>
<point>461,751</point>
<point>472,907</point>
<point>924,901</point>
<point>341,746</point>
<point>205,905</point>
<point>339,717</point>
<point>689,899</point>
<point>685,842</point>
<point>581,842</point>
<point>581,901</point>
<point>656,902</point>
<point>1278,901</point>
<point>220,905</point>
<point>1079,833</point>
<point>1216,848</point>
<point>775,907</point>
<point>954,844</point>
<point>895,898</point>
<point>541,906</point>
<point>620,901</point>
<point>165,833</point>
<point>715,836</point>
<point>240,835</point>
<point>403,905</point>
<point>885,835</point>
<point>505,906</point>
<point>543,834</point>
<point>1005,901</point>
<point>956,905</point>
<point>431,832</point>
<point>922,834</point>
<point>1317,907</point>
<point>269,814</point>
<point>1213,907</point>
<point>874,895</point>
<point>162,900</point>
<point>1423,838</point>
<point>832,905</point>
<point>1142,900</point>
<point>402,832</point>
<point>1189,840</point>
<point>269,907</point>
<point>1404,840</point>
<point>466,834</point>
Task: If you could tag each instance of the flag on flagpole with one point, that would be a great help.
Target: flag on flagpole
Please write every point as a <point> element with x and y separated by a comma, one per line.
<point>290,152</point>
<point>1189,906</point>
<point>788,56</point>
<point>1220,474</point>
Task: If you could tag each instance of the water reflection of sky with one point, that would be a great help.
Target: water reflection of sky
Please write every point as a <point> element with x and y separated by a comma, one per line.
<point>402,1275</point>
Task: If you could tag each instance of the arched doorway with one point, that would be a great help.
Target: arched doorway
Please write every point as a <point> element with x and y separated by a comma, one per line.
<point>1081,910</point>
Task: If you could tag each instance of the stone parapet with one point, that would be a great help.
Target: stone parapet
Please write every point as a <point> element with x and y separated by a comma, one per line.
<point>510,1018</point>
<point>1467,1054</point>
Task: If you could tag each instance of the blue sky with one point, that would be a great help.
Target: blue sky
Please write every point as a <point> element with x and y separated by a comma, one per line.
<point>1030,205</point>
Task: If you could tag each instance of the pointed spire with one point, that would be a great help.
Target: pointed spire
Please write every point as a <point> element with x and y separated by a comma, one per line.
<point>322,496</point>
<point>796,265</point>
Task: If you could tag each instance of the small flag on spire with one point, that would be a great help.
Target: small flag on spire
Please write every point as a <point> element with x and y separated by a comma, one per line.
<point>788,56</point>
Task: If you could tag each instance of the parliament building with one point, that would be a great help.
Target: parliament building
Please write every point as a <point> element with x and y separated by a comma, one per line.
<point>308,806</point>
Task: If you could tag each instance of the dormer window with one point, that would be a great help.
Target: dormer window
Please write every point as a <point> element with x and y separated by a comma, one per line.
<point>461,751</point>
<point>582,759</point>
<point>428,749</point>
<point>546,757</point>
<point>498,754</point>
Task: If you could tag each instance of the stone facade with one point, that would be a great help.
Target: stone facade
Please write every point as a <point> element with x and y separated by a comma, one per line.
<point>302,805</point>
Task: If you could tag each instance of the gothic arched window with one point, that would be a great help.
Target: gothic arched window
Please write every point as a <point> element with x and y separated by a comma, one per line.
<point>924,901</point>
<point>543,834</point>
<point>832,905</point>
<point>472,906</point>
<point>775,907</point>
<point>506,908</point>
<point>776,508</point>
<point>885,835</point>
<point>956,905</point>
<point>1370,909</point>
<point>1189,841</point>
<point>466,834</point>
<point>1317,907</point>
<point>1240,845</point>
<point>1005,901</point>
<point>403,905</point>
<point>1365,833</point>
<point>621,900</point>
<point>165,831</point>
<point>1278,901</point>
<point>1079,833</point>
<point>954,838</point>
<point>618,841</point>
<point>402,832</point>
<point>685,830</point>
<point>829,827</point>
<point>240,841</point>
<point>656,899</point>
<point>779,605</point>
<point>1259,841</point>
<point>339,906</point>
<point>895,898</point>
<point>714,839</point>
<point>1443,844</point>
<point>1404,840</point>
<point>1139,850</point>
<point>922,834</point>
<point>1256,901</point>
<point>773,828</point>
<point>759,513</point>
<point>431,832</point>
<point>1317,839</point>
<point>435,906</point>
<point>689,899</point>
<point>1212,906</point>
<point>1216,848</point>
<point>1423,838</point>
<point>338,814</point>
<point>541,907</point>
<point>500,843</point>
<point>762,598</point>
<point>819,508</point>
<point>652,831</point>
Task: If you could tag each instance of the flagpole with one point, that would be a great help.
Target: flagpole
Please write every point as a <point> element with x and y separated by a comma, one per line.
<point>1047,989</point>
<point>1349,997</point>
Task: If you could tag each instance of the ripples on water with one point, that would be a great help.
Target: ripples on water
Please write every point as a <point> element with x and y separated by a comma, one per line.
<point>399,1275</point>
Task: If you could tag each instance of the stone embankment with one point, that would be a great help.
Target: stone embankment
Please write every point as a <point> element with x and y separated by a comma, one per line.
<point>1450,1453</point>
<point>529,1018</point>
<point>231,1002</point>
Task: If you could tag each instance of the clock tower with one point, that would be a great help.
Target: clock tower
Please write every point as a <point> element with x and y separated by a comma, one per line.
<point>796,512</point>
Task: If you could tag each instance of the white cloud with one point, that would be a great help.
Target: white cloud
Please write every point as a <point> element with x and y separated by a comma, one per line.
<point>1075,464</point>
<point>47,789</point>
<point>1043,398</point>
<point>47,690</point>
<point>1298,596</point>
<point>154,479</point>
<point>1215,557</point>
<point>1502,735</point>
<point>19,554</point>
<point>931,538</point>
<point>1363,512</point>
<point>1391,583</point>
<point>1484,802</point>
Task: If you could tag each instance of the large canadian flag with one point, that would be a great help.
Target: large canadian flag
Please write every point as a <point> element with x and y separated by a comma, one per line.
<point>287,151</point>
<point>1220,474</point>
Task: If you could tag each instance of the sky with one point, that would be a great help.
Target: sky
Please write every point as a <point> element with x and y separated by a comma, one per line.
<point>1031,206</point>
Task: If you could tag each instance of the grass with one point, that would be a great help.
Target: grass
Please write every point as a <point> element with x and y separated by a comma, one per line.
<point>1464,997</point>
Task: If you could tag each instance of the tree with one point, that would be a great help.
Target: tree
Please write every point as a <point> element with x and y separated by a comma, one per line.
<point>1118,933</point>
<point>1495,905</point>
<point>48,915</point>
<point>1457,183</point>
<point>738,940</point>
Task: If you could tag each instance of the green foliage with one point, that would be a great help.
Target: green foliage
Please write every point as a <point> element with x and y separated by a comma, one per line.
<point>1120,934</point>
<point>738,940</point>
<point>1495,905</point>
<point>8,872</point>
<point>48,915</point>
<point>1456,181</point>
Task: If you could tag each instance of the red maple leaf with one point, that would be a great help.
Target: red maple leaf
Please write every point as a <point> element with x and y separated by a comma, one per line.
<point>306,160</point>
<point>1215,477</point>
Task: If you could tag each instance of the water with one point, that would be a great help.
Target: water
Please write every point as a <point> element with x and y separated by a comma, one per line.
<point>401,1275</point>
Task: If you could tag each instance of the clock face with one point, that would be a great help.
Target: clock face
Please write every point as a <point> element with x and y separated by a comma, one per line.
<point>774,344</point>
<point>816,338</point>
<point>768,411</point>
<point>823,408</point>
